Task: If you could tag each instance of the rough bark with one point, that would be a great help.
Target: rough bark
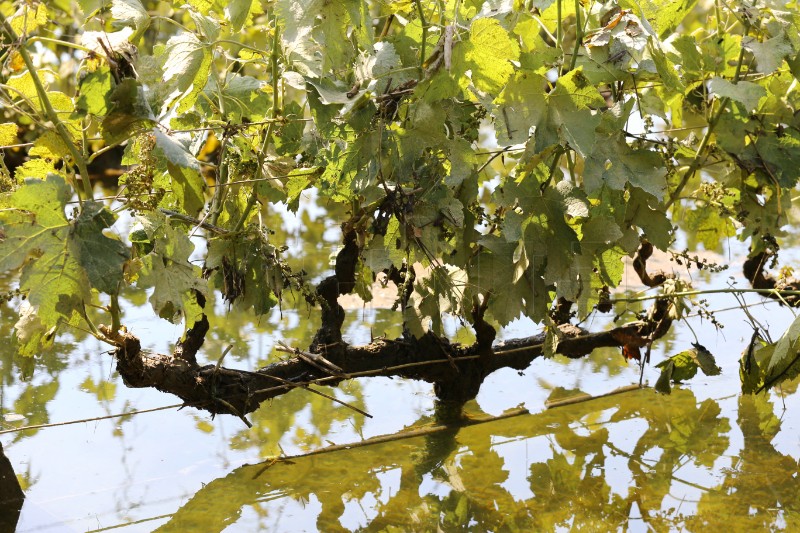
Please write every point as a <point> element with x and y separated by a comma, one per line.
<point>457,370</point>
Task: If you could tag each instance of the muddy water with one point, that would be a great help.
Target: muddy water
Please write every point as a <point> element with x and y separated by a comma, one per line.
<point>703,458</point>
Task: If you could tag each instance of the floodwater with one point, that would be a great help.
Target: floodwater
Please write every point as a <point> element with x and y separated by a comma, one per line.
<point>701,459</point>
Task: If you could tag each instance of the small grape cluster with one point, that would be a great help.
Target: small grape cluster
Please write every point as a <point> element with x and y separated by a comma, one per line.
<point>703,263</point>
<point>13,294</point>
<point>140,193</point>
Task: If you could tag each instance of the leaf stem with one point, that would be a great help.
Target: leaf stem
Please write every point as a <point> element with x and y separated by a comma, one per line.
<point>578,35</point>
<point>218,200</point>
<point>273,58</point>
<point>51,113</point>
<point>424,25</point>
<point>59,42</point>
<point>558,27</point>
<point>115,312</point>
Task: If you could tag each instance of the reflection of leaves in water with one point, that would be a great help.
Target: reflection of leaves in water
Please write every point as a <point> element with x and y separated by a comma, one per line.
<point>461,480</point>
<point>761,489</point>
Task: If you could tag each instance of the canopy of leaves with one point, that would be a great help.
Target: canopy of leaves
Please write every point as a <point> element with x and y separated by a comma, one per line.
<point>510,154</point>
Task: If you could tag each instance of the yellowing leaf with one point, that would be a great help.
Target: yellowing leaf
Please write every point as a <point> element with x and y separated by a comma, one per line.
<point>28,20</point>
<point>16,63</point>
<point>8,134</point>
<point>49,146</point>
<point>35,168</point>
<point>490,52</point>
<point>22,85</point>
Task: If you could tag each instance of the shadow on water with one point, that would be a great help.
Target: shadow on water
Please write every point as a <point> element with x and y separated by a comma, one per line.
<point>598,465</point>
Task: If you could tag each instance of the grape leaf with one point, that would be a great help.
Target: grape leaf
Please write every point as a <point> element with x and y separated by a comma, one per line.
<point>130,12</point>
<point>95,92</point>
<point>101,257</point>
<point>746,92</point>
<point>167,268</point>
<point>784,361</point>
<point>770,53</point>
<point>614,164</point>
<point>489,53</point>
<point>8,133</point>
<point>236,11</point>
<point>32,335</point>
<point>36,235</point>
<point>188,63</point>
<point>663,15</point>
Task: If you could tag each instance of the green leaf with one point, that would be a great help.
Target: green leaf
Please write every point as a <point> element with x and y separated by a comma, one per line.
<point>489,53</point>
<point>574,91</point>
<point>130,112</point>
<point>236,12</point>
<point>665,68</point>
<point>184,56</point>
<point>95,92</point>
<point>299,181</point>
<point>784,362</point>
<point>706,360</point>
<point>207,26</point>
<point>689,56</point>
<point>746,92</point>
<point>643,210</point>
<point>187,64</point>
<point>708,227</point>
<point>175,151</point>
<point>683,366</point>
<point>770,53</point>
<point>167,268</point>
<point>749,370</point>
<point>776,157</point>
<point>663,384</point>
<point>663,15</point>
<point>131,13</point>
<point>35,235</point>
<point>243,96</point>
<point>188,186</point>
<point>614,164</point>
<point>101,257</point>
<point>247,269</point>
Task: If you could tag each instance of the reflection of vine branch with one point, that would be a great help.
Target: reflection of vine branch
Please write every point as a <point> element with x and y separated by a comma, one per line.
<point>641,462</point>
